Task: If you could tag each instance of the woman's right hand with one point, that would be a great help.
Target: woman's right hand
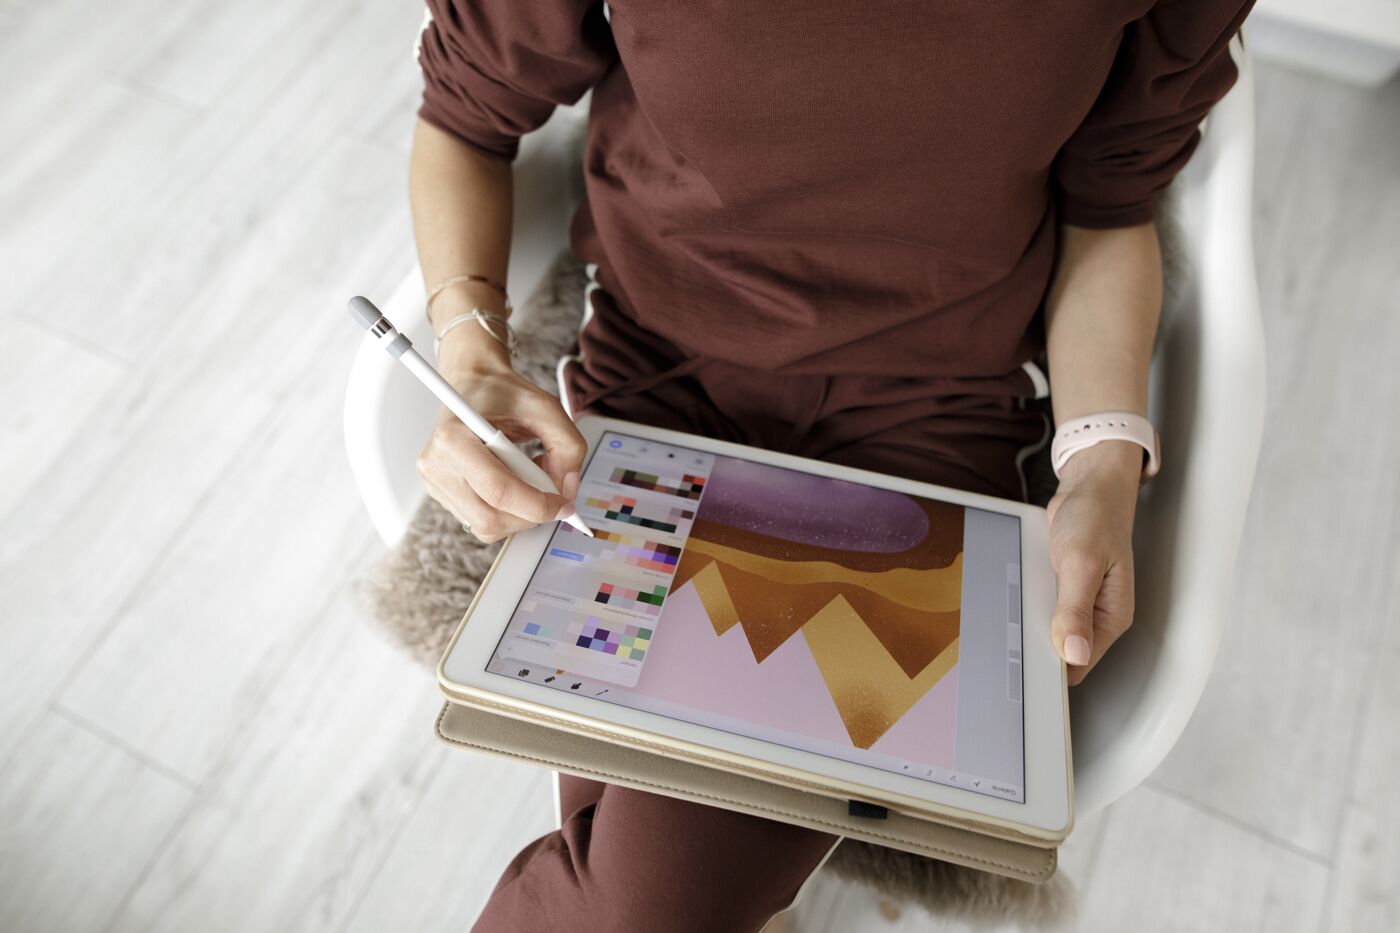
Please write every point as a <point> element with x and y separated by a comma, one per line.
<point>464,476</point>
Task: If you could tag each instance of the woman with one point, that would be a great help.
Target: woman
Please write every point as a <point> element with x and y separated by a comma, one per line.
<point>848,231</point>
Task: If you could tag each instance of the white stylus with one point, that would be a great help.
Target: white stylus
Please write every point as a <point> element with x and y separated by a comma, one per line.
<point>401,349</point>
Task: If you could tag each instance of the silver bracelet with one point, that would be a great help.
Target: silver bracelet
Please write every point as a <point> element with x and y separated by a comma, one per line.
<point>477,314</point>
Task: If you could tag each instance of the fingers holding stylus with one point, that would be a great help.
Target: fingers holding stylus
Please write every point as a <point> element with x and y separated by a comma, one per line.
<point>471,462</point>
<point>478,518</point>
<point>504,491</point>
<point>473,480</point>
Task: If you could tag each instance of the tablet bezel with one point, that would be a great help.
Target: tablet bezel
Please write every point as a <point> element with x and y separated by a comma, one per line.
<point>1045,817</point>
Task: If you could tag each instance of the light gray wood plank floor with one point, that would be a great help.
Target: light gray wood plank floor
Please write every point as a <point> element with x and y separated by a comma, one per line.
<point>187,195</point>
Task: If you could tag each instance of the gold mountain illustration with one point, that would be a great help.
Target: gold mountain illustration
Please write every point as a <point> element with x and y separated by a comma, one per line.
<point>881,626</point>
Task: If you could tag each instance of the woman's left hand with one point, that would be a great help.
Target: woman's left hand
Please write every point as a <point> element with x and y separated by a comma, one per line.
<point>1091,546</point>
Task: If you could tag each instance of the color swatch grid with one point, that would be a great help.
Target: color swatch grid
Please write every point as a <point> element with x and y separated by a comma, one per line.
<point>629,641</point>
<point>621,508</point>
<point>624,597</point>
<point>689,486</point>
<point>639,552</point>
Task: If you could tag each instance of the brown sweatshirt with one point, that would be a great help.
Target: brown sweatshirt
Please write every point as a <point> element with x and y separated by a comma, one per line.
<point>837,187</point>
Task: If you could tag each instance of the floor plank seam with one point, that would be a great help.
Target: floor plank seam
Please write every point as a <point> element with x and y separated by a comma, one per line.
<point>1206,809</point>
<point>122,745</point>
<point>1373,636</point>
<point>1365,709</point>
<point>217,772</point>
<point>155,566</point>
<point>162,555</point>
<point>77,341</point>
<point>245,454</point>
<point>395,837</point>
<point>102,631</point>
<point>327,36</point>
<point>255,704</point>
<point>156,94</point>
<point>158,851</point>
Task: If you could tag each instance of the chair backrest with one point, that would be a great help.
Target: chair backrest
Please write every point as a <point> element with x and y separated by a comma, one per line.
<point>1208,404</point>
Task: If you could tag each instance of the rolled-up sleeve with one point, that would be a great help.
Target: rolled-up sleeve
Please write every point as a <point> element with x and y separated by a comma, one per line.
<point>493,70</point>
<point>1172,66</point>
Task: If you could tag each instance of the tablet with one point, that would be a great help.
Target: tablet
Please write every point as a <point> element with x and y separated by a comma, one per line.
<point>823,626</point>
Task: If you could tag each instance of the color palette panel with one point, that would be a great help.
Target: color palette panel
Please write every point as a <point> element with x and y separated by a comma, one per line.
<point>638,551</point>
<point>689,486</point>
<point>624,597</point>
<point>623,641</point>
<point>623,509</point>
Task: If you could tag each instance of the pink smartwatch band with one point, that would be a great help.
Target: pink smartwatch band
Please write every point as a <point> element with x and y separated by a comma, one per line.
<point>1073,436</point>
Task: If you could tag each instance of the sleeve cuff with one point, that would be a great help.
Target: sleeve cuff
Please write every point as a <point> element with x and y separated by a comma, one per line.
<point>483,139</point>
<point>1106,217</point>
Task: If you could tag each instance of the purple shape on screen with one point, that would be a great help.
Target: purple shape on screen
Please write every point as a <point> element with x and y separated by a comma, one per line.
<point>811,509</point>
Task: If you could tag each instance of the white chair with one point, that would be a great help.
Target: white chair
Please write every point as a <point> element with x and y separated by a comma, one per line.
<point>1207,401</point>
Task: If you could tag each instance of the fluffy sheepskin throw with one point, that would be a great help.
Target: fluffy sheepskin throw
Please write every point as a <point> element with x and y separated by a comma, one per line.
<point>419,590</point>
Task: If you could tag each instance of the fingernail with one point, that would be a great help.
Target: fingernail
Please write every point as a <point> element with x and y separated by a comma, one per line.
<point>571,483</point>
<point>1077,649</point>
<point>565,511</point>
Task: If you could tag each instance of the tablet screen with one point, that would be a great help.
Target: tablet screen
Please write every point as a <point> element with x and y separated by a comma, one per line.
<point>864,624</point>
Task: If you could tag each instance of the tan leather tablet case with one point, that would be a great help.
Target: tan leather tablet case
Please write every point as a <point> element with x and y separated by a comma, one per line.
<point>509,737</point>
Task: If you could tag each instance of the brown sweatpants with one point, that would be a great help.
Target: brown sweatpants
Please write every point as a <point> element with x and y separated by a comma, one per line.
<point>625,860</point>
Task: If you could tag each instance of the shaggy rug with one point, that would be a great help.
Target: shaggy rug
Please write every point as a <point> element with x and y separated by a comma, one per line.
<point>419,590</point>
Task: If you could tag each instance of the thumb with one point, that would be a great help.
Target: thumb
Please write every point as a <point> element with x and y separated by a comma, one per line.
<point>1072,628</point>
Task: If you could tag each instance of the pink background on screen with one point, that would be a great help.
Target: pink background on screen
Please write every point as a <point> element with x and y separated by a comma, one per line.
<point>689,665</point>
